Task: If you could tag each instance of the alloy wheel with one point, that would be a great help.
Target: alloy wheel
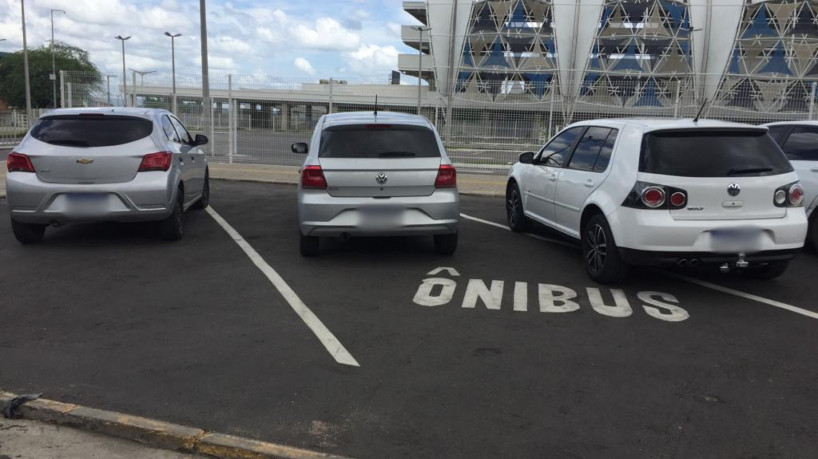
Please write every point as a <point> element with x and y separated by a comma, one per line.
<point>597,248</point>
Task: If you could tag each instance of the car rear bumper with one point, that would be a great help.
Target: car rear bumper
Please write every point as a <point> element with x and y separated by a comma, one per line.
<point>657,231</point>
<point>648,258</point>
<point>149,196</point>
<point>320,214</point>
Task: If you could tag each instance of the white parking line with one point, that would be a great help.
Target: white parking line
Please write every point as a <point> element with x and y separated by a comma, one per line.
<point>719,288</point>
<point>335,348</point>
<point>535,236</point>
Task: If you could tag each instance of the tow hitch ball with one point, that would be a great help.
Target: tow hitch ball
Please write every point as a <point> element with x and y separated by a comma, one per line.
<point>741,263</point>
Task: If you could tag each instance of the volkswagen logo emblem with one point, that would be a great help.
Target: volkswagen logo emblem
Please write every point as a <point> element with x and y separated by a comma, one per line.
<point>733,189</point>
<point>381,178</point>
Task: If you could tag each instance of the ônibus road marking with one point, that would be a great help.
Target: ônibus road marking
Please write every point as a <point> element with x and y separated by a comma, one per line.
<point>335,348</point>
<point>710,285</point>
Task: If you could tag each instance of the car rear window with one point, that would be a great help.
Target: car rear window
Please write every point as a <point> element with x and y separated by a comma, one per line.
<point>712,153</point>
<point>378,141</point>
<point>91,131</point>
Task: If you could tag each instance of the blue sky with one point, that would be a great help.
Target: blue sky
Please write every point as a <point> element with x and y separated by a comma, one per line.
<point>351,39</point>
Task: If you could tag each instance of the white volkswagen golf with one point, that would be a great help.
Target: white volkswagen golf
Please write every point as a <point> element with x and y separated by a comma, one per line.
<point>664,192</point>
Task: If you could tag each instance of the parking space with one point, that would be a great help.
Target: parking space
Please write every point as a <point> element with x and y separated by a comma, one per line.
<point>504,349</point>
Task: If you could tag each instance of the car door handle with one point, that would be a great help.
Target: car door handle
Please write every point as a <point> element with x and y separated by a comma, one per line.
<point>589,183</point>
<point>814,170</point>
<point>553,178</point>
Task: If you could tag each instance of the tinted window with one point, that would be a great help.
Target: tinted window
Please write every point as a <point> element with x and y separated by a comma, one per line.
<point>91,131</point>
<point>712,153</point>
<point>378,141</point>
<point>183,134</point>
<point>802,145</point>
<point>587,151</point>
<point>560,146</point>
<point>778,132</point>
<point>169,130</point>
<point>605,154</point>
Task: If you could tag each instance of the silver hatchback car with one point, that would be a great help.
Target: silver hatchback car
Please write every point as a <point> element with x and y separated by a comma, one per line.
<point>105,164</point>
<point>376,174</point>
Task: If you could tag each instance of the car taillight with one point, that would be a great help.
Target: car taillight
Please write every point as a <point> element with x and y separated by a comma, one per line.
<point>18,162</point>
<point>159,161</point>
<point>446,177</point>
<point>653,197</point>
<point>796,195</point>
<point>790,195</point>
<point>312,177</point>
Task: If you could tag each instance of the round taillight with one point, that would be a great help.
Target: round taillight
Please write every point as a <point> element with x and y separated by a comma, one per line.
<point>653,197</point>
<point>678,199</point>
<point>780,197</point>
<point>796,195</point>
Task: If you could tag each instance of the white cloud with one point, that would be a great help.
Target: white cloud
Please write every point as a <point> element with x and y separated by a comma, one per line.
<point>328,34</point>
<point>304,66</point>
<point>373,60</point>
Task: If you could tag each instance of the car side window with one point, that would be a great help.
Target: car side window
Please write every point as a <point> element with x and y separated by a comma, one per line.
<point>183,134</point>
<point>587,151</point>
<point>168,129</point>
<point>802,145</point>
<point>605,154</point>
<point>559,147</point>
<point>778,133</point>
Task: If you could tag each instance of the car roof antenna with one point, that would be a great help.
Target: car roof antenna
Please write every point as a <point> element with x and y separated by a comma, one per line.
<point>376,105</point>
<point>701,109</point>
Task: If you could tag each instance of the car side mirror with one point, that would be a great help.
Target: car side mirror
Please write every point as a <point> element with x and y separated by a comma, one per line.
<point>300,147</point>
<point>201,139</point>
<point>527,157</point>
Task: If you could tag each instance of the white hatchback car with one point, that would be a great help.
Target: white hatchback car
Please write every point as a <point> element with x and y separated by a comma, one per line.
<point>664,192</point>
<point>105,164</point>
<point>799,140</point>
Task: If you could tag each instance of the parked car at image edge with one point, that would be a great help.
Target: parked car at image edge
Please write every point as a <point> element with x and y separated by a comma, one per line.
<point>105,164</point>
<point>799,140</point>
<point>376,174</point>
<point>663,192</point>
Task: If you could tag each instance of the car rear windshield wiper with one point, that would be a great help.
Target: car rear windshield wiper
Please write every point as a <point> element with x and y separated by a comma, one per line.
<point>68,142</point>
<point>396,154</point>
<point>749,171</point>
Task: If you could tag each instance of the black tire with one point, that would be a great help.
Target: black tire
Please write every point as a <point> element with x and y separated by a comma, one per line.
<point>171,228</point>
<point>766,271</point>
<point>310,246</point>
<point>28,233</point>
<point>517,221</point>
<point>600,254</point>
<point>204,201</point>
<point>445,244</point>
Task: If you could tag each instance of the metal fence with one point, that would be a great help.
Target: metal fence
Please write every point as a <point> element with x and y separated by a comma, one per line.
<point>255,118</point>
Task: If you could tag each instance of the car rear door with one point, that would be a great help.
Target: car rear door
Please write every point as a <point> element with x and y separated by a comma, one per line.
<point>379,160</point>
<point>728,174</point>
<point>89,148</point>
<point>540,179</point>
<point>582,175</point>
<point>801,148</point>
<point>194,158</point>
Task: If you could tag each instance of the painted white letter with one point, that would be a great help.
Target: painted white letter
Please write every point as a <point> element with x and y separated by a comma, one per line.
<point>521,296</point>
<point>676,314</point>
<point>548,299</point>
<point>621,309</point>
<point>477,289</point>
<point>424,296</point>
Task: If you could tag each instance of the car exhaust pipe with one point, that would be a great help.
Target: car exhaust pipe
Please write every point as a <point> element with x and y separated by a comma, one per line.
<point>345,237</point>
<point>682,263</point>
<point>694,262</point>
<point>55,224</point>
<point>725,268</point>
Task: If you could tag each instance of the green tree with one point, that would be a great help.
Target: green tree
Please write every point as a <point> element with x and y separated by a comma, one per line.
<point>67,57</point>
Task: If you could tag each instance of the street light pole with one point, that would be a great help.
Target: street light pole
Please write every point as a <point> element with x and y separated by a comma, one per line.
<point>25,64</point>
<point>207,106</point>
<point>420,30</point>
<point>124,76</point>
<point>109,89</point>
<point>53,75</point>
<point>173,64</point>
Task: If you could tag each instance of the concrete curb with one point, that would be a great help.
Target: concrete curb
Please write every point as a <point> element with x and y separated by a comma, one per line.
<point>157,434</point>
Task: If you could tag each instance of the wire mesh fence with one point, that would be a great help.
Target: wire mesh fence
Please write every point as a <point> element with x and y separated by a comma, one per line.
<point>484,125</point>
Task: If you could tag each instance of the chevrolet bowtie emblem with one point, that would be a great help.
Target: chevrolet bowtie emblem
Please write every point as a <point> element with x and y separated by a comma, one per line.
<point>85,161</point>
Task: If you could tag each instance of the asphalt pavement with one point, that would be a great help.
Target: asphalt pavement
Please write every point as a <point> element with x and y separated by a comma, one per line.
<point>511,352</point>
